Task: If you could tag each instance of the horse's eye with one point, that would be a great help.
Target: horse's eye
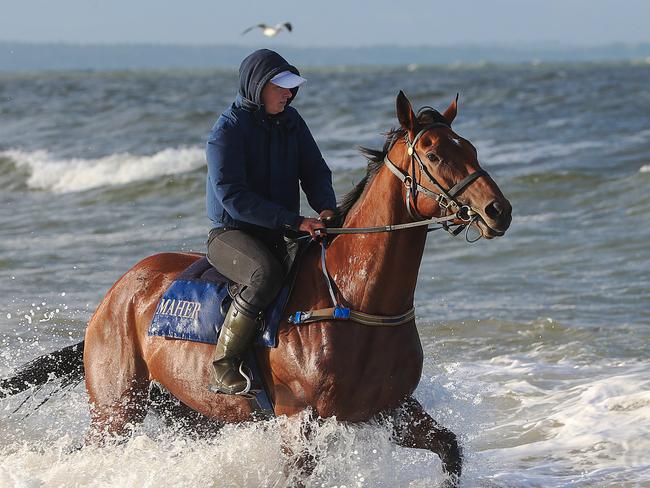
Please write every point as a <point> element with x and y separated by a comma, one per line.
<point>433,157</point>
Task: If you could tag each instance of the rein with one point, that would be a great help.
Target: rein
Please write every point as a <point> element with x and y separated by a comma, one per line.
<point>446,199</point>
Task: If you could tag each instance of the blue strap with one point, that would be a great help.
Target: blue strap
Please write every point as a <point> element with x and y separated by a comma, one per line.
<point>336,313</point>
<point>297,317</point>
<point>341,312</point>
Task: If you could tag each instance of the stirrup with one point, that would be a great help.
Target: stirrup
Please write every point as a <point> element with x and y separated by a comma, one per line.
<point>247,377</point>
<point>251,389</point>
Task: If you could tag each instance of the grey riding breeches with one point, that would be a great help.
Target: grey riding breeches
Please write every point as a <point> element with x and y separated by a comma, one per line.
<point>249,261</point>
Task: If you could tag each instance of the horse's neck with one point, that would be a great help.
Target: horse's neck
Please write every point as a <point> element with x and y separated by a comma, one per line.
<point>377,273</point>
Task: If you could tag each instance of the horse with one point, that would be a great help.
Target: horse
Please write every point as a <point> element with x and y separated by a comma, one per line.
<point>335,368</point>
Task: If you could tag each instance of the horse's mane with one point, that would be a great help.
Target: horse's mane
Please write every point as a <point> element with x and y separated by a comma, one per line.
<point>426,116</point>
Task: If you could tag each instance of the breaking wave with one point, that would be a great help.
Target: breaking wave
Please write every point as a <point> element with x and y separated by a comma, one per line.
<point>46,172</point>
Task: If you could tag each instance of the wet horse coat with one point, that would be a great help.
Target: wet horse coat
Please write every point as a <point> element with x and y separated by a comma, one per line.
<point>336,368</point>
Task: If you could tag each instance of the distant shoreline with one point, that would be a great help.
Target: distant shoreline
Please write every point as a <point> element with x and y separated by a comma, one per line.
<point>22,56</point>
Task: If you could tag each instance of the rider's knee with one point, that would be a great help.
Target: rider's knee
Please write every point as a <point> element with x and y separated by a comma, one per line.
<point>267,278</point>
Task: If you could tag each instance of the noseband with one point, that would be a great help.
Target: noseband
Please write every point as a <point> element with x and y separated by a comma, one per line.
<point>446,199</point>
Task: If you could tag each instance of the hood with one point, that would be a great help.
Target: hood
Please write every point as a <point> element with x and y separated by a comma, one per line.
<point>255,71</point>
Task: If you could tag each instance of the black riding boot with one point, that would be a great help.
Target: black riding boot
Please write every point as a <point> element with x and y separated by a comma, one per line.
<point>236,334</point>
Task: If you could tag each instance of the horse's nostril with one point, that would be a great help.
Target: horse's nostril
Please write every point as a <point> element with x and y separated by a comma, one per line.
<point>494,210</point>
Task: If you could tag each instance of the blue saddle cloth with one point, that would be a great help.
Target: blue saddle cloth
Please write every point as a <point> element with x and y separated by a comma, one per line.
<point>194,306</point>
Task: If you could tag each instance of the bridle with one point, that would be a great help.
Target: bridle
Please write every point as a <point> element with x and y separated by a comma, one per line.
<point>463,215</point>
<point>446,199</point>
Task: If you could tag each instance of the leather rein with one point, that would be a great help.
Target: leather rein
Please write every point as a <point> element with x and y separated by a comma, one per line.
<point>446,199</point>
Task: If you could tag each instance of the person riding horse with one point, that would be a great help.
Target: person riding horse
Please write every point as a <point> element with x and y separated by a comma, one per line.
<point>258,152</point>
<point>316,368</point>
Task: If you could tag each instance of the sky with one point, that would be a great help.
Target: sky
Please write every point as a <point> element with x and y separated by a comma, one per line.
<point>328,22</point>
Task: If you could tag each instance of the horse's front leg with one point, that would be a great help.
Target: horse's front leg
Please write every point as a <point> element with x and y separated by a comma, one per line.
<point>413,427</point>
<point>300,459</point>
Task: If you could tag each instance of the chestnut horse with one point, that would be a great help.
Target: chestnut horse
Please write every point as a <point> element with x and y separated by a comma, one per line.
<point>337,368</point>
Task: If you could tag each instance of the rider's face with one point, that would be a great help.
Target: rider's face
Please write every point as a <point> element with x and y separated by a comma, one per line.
<point>275,98</point>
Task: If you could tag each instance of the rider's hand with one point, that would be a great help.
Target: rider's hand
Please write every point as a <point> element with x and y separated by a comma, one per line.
<point>326,215</point>
<point>312,226</point>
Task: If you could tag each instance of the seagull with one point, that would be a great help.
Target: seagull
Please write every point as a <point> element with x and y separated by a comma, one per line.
<point>268,30</point>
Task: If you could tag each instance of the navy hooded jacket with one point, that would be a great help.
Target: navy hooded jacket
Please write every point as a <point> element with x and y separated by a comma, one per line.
<point>256,161</point>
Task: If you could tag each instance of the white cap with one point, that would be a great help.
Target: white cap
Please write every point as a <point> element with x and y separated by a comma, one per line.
<point>287,79</point>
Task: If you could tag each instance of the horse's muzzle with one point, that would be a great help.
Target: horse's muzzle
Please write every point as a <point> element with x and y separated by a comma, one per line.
<point>495,219</point>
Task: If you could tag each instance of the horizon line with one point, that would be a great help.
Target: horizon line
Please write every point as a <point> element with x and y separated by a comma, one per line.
<point>516,45</point>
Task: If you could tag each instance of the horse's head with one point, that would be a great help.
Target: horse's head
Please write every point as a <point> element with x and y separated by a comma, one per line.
<point>444,167</point>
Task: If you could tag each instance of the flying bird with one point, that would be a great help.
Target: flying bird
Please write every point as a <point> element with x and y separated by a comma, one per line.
<point>270,30</point>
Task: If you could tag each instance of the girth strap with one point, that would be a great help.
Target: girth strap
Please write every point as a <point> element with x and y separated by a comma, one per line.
<point>339,312</point>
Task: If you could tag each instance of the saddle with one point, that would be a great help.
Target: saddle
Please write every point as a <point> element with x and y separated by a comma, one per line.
<point>194,307</point>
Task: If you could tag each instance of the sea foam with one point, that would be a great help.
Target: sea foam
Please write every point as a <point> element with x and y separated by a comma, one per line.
<point>246,455</point>
<point>78,174</point>
<point>517,424</point>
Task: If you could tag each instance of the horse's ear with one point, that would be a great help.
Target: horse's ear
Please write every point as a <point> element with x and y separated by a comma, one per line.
<point>405,113</point>
<point>452,110</point>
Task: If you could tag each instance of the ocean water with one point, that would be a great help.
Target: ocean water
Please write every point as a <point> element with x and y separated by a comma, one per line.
<point>536,344</point>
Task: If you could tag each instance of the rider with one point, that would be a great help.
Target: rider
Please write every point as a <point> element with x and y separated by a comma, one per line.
<point>258,152</point>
